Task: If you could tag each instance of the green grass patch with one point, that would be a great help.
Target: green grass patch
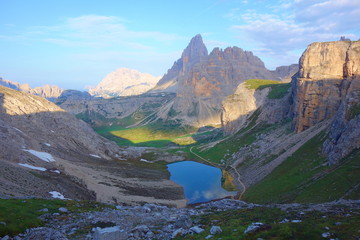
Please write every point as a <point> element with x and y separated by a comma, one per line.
<point>278,89</point>
<point>20,214</point>
<point>305,177</point>
<point>353,111</point>
<point>224,149</point>
<point>233,224</point>
<point>157,134</point>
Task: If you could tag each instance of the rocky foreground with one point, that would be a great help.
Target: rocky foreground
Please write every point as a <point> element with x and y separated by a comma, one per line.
<point>223,219</point>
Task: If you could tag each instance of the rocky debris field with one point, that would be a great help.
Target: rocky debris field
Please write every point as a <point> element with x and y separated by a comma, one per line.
<point>223,219</point>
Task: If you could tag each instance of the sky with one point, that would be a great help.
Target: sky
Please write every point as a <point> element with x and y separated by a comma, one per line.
<point>75,43</point>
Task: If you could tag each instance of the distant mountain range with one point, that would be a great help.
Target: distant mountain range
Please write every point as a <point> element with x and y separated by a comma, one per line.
<point>47,91</point>
<point>124,82</point>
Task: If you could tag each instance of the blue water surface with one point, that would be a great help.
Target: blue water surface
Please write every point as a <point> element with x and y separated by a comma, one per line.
<point>201,182</point>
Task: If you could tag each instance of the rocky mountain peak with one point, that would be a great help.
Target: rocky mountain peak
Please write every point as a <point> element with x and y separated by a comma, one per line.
<point>194,53</point>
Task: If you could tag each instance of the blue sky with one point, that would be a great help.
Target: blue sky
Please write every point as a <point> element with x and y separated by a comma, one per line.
<point>76,43</point>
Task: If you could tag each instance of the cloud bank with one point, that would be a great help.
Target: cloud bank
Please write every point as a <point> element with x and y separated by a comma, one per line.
<point>288,27</point>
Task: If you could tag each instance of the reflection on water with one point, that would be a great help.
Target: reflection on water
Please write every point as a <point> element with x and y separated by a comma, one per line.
<point>201,182</point>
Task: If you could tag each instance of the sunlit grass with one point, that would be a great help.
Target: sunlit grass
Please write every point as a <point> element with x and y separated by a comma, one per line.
<point>278,88</point>
<point>153,135</point>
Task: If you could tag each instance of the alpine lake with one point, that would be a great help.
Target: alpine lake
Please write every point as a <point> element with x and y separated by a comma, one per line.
<point>201,182</point>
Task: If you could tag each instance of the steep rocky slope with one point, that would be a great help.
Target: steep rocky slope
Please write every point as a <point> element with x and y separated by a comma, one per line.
<point>45,149</point>
<point>47,91</point>
<point>124,82</point>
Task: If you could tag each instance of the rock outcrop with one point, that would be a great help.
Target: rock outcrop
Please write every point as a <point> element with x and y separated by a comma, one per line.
<point>326,70</point>
<point>124,82</point>
<point>47,91</point>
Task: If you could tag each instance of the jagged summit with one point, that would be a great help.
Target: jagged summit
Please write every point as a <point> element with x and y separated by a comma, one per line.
<point>194,53</point>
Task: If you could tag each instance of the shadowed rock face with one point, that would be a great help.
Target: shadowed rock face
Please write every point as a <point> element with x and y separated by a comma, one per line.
<point>320,85</point>
<point>286,72</point>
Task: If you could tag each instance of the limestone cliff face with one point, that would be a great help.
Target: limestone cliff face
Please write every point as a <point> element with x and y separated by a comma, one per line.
<point>47,91</point>
<point>344,134</point>
<point>326,70</point>
<point>238,107</point>
<point>124,82</point>
<point>194,53</point>
<point>202,90</point>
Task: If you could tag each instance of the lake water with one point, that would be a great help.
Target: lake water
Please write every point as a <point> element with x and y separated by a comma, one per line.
<point>201,182</point>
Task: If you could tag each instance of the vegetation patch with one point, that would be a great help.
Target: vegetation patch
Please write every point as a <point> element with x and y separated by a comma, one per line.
<point>225,148</point>
<point>305,177</point>
<point>278,89</point>
<point>157,134</point>
<point>19,214</point>
<point>353,111</point>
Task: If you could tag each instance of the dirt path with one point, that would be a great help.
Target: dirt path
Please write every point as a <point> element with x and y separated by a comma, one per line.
<point>236,172</point>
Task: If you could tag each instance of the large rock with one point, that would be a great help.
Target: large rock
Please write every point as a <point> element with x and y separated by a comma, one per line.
<point>110,233</point>
<point>124,82</point>
<point>321,85</point>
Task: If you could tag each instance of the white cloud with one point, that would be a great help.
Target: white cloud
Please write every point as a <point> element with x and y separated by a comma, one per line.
<point>281,32</point>
<point>97,31</point>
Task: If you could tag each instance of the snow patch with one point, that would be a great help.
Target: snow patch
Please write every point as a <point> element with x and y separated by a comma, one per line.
<point>55,171</point>
<point>47,144</point>
<point>144,160</point>
<point>32,167</point>
<point>58,195</point>
<point>96,156</point>
<point>18,129</point>
<point>42,155</point>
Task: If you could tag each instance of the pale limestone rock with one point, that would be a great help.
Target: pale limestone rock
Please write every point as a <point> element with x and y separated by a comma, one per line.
<point>320,86</point>
<point>124,82</point>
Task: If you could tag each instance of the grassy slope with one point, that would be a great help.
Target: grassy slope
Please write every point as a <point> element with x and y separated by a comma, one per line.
<point>152,135</point>
<point>225,148</point>
<point>304,177</point>
<point>278,88</point>
<point>21,214</point>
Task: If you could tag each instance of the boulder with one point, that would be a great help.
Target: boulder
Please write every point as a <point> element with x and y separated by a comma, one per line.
<point>215,230</point>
